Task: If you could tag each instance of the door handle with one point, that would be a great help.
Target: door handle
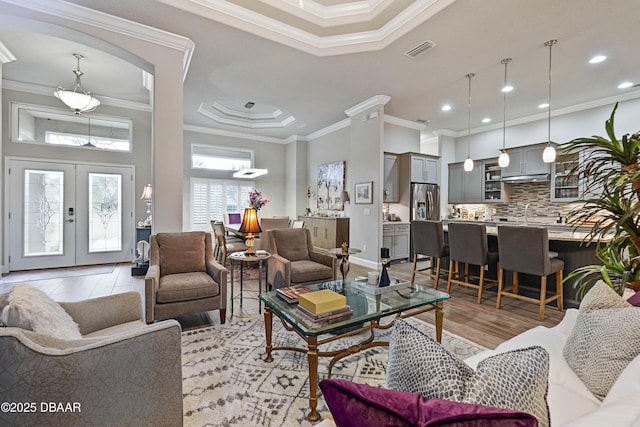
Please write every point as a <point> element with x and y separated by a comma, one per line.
<point>68,220</point>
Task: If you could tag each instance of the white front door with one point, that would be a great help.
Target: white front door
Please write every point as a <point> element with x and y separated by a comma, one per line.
<point>64,214</point>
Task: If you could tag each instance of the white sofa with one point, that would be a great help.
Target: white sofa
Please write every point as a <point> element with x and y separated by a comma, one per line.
<point>571,404</point>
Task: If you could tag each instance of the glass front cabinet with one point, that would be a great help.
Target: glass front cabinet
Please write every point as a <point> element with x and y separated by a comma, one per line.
<point>565,185</point>
<point>492,187</point>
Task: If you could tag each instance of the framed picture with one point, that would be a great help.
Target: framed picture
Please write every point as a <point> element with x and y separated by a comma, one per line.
<point>330,184</point>
<point>364,193</point>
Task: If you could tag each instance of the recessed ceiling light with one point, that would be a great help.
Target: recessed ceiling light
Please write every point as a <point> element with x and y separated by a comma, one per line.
<point>597,59</point>
<point>543,105</point>
<point>486,120</point>
<point>625,85</point>
<point>507,88</point>
<point>446,107</point>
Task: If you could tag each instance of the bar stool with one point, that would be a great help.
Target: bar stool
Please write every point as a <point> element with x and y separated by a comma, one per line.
<point>525,250</point>
<point>468,244</point>
<point>427,239</point>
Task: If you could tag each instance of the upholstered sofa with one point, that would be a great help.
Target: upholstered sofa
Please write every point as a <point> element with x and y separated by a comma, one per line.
<point>594,351</point>
<point>120,370</point>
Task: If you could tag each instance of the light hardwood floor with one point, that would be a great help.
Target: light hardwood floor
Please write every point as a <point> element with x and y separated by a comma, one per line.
<point>480,323</point>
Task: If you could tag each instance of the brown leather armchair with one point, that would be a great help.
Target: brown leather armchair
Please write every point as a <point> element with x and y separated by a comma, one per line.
<point>295,262</point>
<point>183,277</point>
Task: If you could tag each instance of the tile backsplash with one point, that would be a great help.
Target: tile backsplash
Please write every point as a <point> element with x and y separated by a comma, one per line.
<point>536,194</point>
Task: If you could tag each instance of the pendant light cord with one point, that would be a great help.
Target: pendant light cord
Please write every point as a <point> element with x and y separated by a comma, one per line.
<point>550,43</point>
<point>504,104</point>
<point>469,76</point>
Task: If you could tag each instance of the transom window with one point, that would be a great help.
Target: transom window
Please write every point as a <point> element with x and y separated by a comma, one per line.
<point>45,125</point>
<point>220,158</point>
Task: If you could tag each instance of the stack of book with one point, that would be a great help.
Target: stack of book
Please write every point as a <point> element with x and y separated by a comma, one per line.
<point>323,305</point>
<point>290,294</point>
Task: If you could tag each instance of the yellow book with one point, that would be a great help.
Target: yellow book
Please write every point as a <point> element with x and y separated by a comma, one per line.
<point>322,301</point>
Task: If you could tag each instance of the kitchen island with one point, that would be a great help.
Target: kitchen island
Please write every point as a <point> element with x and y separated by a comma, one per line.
<point>567,240</point>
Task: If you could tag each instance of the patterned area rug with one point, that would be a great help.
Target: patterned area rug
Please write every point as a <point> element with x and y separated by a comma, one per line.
<point>227,383</point>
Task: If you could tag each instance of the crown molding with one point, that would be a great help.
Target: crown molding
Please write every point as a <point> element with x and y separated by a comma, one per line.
<point>245,123</point>
<point>48,91</point>
<point>333,15</point>
<point>232,134</point>
<point>255,23</point>
<point>403,122</point>
<point>372,102</point>
<point>104,21</point>
<point>329,129</point>
<point>5,54</point>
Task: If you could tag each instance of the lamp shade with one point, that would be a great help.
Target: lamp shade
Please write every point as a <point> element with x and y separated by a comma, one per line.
<point>250,222</point>
<point>344,196</point>
<point>549,154</point>
<point>468,164</point>
<point>503,160</point>
<point>147,192</point>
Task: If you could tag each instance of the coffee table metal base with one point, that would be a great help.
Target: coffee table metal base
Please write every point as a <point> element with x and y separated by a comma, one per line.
<point>313,343</point>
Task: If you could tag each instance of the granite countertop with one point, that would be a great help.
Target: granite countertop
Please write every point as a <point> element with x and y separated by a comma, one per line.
<point>557,232</point>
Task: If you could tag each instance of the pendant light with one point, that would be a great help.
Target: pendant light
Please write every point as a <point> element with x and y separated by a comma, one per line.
<point>503,160</point>
<point>77,98</point>
<point>468,164</point>
<point>549,153</point>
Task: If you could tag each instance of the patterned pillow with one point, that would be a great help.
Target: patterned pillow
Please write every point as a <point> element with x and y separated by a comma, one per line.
<point>605,338</point>
<point>516,380</point>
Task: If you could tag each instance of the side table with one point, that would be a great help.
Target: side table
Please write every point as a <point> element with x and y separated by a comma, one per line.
<point>242,258</point>
<point>343,257</point>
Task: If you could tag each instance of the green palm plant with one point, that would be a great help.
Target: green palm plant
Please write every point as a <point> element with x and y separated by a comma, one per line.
<point>610,173</point>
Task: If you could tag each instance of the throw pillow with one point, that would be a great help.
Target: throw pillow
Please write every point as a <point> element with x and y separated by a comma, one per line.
<point>605,338</point>
<point>516,380</point>
<point>357,405</point>
<point>31,309</point>
<point>634,300</point>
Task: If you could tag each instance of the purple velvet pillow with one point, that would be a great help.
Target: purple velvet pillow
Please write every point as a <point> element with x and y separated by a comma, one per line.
<point>361,405</point>
<point>635,300</point>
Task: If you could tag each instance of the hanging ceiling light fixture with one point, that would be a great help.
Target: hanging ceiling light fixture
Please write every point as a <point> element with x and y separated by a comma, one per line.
<point>549,153</point>
<point>503,160</point>
<point>76,98</point>
<point>249,173</point>
<point>468,164</point>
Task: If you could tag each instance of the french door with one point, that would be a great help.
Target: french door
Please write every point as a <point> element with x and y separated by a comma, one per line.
<point>66,214</point>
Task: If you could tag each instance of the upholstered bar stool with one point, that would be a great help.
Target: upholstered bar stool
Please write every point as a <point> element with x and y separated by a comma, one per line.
<point>427,239</point>
<point>525,250</point>
<point>468,244</point>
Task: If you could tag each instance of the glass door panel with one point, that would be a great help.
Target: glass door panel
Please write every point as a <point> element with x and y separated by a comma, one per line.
<point>43,212</point>
<point>105,205</point>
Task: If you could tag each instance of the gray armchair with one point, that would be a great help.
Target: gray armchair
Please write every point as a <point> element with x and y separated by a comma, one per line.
<point>295,262</point>
<point>122,370</point>
<point>183,277</point>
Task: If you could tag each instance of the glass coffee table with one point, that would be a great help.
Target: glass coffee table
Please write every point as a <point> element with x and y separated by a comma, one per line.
<point>368,310</point>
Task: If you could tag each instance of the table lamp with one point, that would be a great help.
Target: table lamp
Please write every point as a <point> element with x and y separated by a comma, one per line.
<point>249,226</point>
<point>146,196</point>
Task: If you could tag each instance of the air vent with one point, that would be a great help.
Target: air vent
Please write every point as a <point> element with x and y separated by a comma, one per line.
<point>421,48</point>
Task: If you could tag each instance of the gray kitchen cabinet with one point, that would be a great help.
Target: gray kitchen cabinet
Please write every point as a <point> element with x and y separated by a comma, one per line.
<point>396,238</point>
<point>391,178</point>
<point>465,187</point>
<point>423,168</point>
<point>526,161</point>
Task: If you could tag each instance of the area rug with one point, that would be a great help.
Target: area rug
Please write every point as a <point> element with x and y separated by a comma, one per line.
<point>227,383</point>
<point>57,273</point>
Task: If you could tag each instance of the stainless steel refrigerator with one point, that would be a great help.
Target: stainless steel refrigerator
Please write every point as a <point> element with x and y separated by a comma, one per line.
<point>425,201</point>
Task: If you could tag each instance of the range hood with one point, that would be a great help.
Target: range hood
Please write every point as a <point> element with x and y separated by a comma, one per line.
<point>527,178</point>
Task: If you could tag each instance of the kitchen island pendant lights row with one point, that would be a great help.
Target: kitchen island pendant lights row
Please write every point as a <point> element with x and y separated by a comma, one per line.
<point>549,153</point>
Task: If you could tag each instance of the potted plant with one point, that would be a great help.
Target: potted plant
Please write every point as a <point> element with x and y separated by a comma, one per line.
<point>611,204</point>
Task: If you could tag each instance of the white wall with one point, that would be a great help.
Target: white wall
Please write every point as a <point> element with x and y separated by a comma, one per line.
<point>296,178</point>
<point>399,139</point>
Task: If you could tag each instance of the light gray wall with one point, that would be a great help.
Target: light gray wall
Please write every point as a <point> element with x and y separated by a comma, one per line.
<point>296,178</point>
<point>399,139</point>
<point>266,156</point>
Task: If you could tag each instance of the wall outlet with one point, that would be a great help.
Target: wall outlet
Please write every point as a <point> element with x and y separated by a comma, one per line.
<point>364,248</point>
<point>366,211</point>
